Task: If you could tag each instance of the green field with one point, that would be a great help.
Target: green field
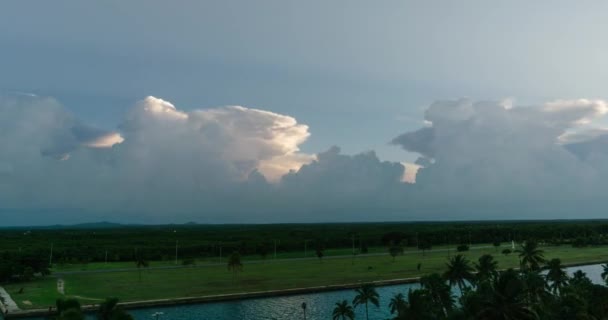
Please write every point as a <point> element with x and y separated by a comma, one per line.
<point>271,275</point>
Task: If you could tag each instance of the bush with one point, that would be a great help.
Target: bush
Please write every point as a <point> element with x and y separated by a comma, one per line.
<point>462,248</point>
<point>188,262</point>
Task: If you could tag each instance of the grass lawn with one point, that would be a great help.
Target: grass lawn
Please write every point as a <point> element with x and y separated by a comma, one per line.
<point>280,255</point>
<point>210,280</point>
<point>36,294</point>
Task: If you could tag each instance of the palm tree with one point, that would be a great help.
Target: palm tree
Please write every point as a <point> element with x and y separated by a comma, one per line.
<point>557,275</point>
<point>535,286</point>
<point>438,291</point>
<point>141,263</point>
<point>506,300</point>
<point>459,272</point>
<point>397,303</point>
<point>395,250</point>
<point>605,273</point>
<point>110,310</point>
<point>531,256</point>
<point>419,305</point>
<point>486,267</point>
<point>343,311</point>
<point>365,295</point>
<point>234,264</point>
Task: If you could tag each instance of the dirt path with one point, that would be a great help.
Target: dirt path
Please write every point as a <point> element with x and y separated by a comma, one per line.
<point>8,302</point>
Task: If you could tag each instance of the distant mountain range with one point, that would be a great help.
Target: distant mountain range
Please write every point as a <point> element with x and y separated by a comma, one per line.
<point>94,225</point>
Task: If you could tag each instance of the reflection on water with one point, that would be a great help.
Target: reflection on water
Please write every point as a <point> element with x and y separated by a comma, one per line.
<point>319,305</point>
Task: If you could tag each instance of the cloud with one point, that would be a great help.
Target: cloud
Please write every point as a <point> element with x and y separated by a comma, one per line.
<point>478,160</point>
<point>162,160</point>
<point>482,158</point>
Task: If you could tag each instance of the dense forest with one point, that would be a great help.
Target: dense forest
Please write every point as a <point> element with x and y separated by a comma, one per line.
<point>123,243</point>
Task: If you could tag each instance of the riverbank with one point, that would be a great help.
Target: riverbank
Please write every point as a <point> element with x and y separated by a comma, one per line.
<point>245,295</point>
<point>218,298</point>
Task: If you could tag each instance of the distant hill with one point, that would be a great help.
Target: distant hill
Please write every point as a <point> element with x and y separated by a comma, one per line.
<point>88,225</point>
<point>96,225</point>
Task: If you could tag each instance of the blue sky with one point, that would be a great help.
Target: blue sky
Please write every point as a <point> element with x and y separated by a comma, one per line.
<point>357,73</point>
<point>338,66</point>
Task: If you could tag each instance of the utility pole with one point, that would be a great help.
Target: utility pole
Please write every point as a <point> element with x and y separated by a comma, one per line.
<point>50,257</point>
<point>353,236</point>
<point>220,253</point>
<point>275,248</point>
<point>176,241</point>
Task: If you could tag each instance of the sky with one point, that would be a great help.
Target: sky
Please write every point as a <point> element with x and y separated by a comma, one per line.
<point>290,111</point>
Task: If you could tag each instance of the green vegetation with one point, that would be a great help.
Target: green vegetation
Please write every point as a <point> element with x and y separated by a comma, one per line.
<point>211,260</point>
<point>271,275</point>
<point>524,294</point>
<point>95,246</point>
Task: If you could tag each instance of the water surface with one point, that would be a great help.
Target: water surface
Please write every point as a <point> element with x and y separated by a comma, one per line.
<point>319,305</point>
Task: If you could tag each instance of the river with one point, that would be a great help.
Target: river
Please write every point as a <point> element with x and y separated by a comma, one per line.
<point>319,305</point>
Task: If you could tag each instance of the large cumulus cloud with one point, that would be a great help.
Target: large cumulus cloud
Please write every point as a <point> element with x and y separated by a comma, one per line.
<point>490,159</point>
<point>164,164</point>
<point>477,160</point>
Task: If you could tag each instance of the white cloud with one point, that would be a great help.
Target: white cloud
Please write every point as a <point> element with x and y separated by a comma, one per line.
<point>478,160</point>
<point>411,169</point>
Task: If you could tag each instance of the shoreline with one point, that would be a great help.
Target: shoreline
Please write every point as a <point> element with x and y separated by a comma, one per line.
<point>243,295</point>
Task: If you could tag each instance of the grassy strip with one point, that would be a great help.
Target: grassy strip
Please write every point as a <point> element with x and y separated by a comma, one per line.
<point>273,275</point>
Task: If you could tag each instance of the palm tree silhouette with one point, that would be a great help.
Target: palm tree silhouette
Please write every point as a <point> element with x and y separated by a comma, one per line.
<point>397,303</point>
<point>506,300</point>
<point>419,305</point>
<point>343,311</point>
<point>234,264</point>
<point>141,263</point>
<point>459,272</point>
<point>486,268</point>
<point>365,295</point>
<point>438,291</point>
<point>531,256</point>
<point>557,275</point>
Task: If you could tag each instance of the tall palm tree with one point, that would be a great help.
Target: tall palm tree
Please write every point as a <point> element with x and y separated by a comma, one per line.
<point>486,267</point>
<point>419,305</point>
<point>397,303</point>
<point>343,311</point>
<point>535,287</point>
<point>365,295</point>
<point>531,256</point>
<point>141,263</point>
<point>459,272</point>
<point>506,300</point>
<point>557,276</point>
<point>438,291</point>
<point>234,264</point>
